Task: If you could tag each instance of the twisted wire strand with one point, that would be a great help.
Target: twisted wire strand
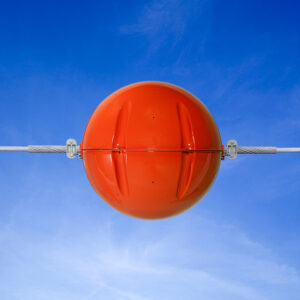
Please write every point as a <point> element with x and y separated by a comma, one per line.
<point>38,149</point>
<point>256,150</point>
<point>47,149</point>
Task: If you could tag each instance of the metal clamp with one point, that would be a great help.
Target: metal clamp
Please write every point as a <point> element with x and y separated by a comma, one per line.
<point>71,148</point>
<point>231,149</point>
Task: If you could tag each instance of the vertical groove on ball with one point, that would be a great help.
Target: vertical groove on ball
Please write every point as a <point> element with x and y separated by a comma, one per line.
<point>119,142</point>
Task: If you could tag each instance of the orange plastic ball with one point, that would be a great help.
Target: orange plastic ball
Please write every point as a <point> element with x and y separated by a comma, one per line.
<point>151,150</point>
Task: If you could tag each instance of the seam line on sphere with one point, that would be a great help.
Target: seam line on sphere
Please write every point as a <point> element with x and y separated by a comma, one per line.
<point>153,150</point>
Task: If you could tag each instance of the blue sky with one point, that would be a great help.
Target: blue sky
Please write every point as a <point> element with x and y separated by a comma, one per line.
<point>59,60</point>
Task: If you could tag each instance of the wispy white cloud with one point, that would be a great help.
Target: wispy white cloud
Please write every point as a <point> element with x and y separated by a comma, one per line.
<point>189,257</point>
<point>162,21</point>
<point>159,17</point>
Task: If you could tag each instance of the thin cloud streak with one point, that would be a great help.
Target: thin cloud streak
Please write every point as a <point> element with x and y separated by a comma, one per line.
<point>162,21</point>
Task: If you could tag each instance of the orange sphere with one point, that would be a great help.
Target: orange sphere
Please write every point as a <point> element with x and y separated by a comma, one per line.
<point>151,150</point>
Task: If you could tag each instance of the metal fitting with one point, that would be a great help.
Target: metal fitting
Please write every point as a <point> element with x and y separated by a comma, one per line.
<point>71,148</point>
<point>232,149</point>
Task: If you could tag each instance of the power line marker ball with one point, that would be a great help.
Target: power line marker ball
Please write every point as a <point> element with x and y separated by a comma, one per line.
<point>151,150</point>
